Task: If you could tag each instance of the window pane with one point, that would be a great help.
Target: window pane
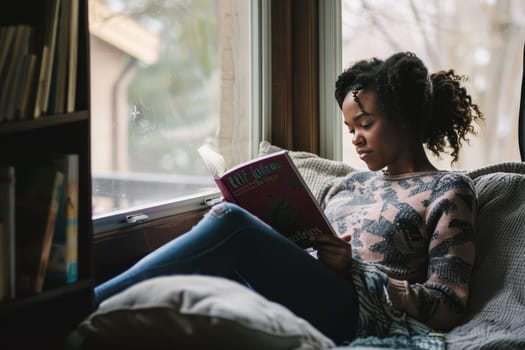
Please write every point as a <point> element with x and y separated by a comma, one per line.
<point>482,40</point>
<point>166,77</point>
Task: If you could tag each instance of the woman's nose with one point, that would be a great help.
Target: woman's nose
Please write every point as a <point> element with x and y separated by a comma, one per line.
<point>357,139</point>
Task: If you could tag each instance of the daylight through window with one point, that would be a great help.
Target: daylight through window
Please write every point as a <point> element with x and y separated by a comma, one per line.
<point>166,77</point>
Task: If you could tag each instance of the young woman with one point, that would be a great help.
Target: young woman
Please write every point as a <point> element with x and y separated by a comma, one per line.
<point>412,222</point>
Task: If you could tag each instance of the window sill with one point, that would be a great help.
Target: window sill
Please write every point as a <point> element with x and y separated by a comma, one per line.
<point>129,218</point>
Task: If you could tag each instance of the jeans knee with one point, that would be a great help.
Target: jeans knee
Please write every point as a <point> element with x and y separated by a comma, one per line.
<point>233,216</point>
<point>226,208</point>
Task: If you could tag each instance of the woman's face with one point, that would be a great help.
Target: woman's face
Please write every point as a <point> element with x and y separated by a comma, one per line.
<point>378,140</point>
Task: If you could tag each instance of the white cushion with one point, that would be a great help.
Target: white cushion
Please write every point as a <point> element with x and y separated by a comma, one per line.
<point>194,312</point>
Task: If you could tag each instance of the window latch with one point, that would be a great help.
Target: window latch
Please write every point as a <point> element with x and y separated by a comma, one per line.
<point>134,218</point>
<point>211,201</point>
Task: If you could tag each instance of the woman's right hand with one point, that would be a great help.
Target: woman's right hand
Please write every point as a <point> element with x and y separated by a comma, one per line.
<point>334,252</point>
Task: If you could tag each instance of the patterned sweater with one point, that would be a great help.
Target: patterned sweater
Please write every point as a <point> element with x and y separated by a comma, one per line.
<point>418,229</point>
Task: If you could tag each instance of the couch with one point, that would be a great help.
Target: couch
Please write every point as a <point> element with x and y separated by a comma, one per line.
<point>201,312</point>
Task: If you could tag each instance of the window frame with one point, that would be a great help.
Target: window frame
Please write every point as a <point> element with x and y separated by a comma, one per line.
<point>295,75</point>
<point>521,118</point>
<point>330,62</point>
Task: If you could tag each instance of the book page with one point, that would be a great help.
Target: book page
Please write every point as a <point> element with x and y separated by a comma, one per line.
<point>213,160</point>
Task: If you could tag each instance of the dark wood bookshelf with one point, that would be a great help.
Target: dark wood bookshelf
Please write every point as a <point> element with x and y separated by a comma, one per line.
<point>20,126</point>
<point>11,306</point>
<point>43,320</point>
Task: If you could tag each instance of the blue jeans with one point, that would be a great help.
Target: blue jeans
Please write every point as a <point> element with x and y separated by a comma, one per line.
<point>230,242</point>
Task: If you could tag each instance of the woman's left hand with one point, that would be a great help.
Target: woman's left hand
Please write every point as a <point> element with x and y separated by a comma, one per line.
<point>334,252</point>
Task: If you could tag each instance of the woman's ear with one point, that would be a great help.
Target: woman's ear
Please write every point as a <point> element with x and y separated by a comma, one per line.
<point>407,126</point>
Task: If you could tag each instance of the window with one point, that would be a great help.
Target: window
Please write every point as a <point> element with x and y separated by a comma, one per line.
<point>482,40</point>
<point>167,77</point>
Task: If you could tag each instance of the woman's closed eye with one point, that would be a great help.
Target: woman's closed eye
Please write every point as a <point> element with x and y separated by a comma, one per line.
<point>364,126</point>
<point>366,122</point>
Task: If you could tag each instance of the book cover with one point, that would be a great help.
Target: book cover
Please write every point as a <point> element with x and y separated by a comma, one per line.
<point>38,188</point>
<point>7,243</point>
<point>272,189</point>
<point>62,265</point>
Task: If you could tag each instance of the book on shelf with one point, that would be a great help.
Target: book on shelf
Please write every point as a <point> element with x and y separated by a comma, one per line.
<point>38,188</point>
<point>57,97</point>
<point>9,95</point>
<point>62,266</point>
<point>43,87</point>
<point>6,41</point>
<point>38,71</point>
<point>271,188</point>
<point>25,101</point>
<point>73,56</point>
<point>4,280</point>
<point>7,240</point>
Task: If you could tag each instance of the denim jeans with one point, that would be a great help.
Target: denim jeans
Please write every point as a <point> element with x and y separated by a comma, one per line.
<point>230,242</point>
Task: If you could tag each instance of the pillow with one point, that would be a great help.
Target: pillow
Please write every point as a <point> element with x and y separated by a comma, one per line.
<point>193,312</point>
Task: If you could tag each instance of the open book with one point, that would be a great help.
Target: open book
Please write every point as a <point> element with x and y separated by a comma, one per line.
<point>271,188</point>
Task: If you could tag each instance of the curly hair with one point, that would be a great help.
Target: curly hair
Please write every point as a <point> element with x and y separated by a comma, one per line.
<point>437,106</point>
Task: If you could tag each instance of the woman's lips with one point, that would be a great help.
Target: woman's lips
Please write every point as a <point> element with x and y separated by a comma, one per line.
<point>363,155</point>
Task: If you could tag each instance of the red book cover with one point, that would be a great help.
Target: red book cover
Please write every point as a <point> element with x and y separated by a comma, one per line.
<point>272,189</point>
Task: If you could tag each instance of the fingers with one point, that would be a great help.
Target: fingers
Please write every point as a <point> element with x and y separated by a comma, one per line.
<point>327,240</point>
<point>329,243</point>
<point>346,237</point>
<point>333,252</point>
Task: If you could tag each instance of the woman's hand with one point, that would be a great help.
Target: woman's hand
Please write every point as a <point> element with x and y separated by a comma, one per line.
<point>334,252</point>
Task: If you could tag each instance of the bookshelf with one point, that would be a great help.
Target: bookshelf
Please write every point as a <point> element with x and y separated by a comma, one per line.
<point>42,319</point>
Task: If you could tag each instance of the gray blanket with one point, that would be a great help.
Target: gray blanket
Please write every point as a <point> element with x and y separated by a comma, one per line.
<point>496,314</point>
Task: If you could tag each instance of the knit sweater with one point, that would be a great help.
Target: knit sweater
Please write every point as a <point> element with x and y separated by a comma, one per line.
<point>416,228</point>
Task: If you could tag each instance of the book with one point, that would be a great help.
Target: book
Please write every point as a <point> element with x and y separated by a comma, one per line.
<point>14,69</point>
<point>7,38</point>
<point>62,266</point>
<point>38,187</point>
<point>47,58</point>
<point>28,81</point>
<point>73,57</point>
<point>271,188</point>
<point>7,243</point>
<point>4,280</point>
<point>4,46</point>
<point>57,103</point>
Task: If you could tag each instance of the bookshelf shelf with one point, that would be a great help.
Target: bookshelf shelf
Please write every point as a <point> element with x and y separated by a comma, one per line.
<point>7,307</point>
<point>45,113</point>
<point>43,122</point>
